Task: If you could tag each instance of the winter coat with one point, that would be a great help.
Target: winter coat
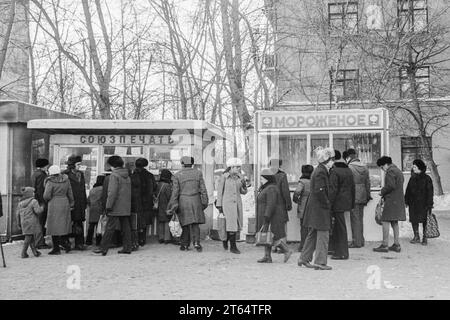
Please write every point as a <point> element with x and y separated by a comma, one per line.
<point>28,211</point>
<point>118,203</point>
<point>58,193</point>
<point>392,192</point>
<point>342,188</point>
<point>362,181</point>
<point>165,192</point>
<point>301,195</point>
<point>189,196</point>
<point>95,204</point>
<point>143,187</point>
<point>283,186</point>
<point>269,203</point>
<point>318,207</point>
<point>229,198</point>
<point>79,194</point>
<point>37,182</point>
<point>419,197</point>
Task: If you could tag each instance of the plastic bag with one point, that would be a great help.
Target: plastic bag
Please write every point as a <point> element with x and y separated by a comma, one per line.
<point>222,227</point>
<point>175,227</point>
<point>101,226</point>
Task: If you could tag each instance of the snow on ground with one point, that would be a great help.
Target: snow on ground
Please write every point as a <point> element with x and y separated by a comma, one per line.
<point>442,203</point>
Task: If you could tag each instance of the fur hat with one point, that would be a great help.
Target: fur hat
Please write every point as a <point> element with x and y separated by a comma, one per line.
<point>54,170</point>
<point>187,160</point>
<point>141,163</point>
<point>267,172</point>
<point>27,192</point>
<point>73,159</point>
<point>324,154</point>
<point>40,163</point>
<point>116,162</point>
<point>234,162</point>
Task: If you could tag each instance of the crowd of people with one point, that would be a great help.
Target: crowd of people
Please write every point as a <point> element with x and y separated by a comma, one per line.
<point>124,203</point>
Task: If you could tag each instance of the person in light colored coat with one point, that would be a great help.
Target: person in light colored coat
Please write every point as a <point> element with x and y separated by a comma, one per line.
<point>229,202</point>
<point>394,203</point>
<point>58,194</point>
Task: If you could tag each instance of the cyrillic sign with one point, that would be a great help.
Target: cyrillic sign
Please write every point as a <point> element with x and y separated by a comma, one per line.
<point>128,140</point>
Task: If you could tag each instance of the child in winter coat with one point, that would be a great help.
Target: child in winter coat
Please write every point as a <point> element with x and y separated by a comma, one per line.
<point>95,210</point>
<point>28,211</point>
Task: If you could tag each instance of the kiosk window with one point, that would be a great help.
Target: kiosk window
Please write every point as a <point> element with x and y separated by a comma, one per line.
<point>129,155</point>
<point>293,150</point>
<point>318,140</point>
<point>368,149</point>
<point>167,157</point>
<point>411,150</point>
<point>88,165</point>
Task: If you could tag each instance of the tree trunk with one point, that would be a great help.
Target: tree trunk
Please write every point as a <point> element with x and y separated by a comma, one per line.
<point>7,36</point>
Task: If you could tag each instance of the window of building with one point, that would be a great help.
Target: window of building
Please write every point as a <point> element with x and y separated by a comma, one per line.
<point>411,150</point>
<point>422,83</point>
<point>343,16</point>
<point>412,15</point>
<point>346,85</point>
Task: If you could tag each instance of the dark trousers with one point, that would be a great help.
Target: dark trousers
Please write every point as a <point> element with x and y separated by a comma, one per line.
<point>339,238</point>
<point>90,234</point>
<point>190,233</point>
<point>316,241</point>
<point>416,227</point>
<point>303,234</point>
<point>110,230</point>
<point>164,231</point>
<point>39,236</point>
<point>357,224</point>
<point>79,238</point>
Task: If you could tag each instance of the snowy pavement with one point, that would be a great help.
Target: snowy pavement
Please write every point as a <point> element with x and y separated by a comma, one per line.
<point>163,272</point>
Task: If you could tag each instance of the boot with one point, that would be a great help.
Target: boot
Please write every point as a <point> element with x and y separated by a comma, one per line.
<point>26,244</point>
<point>65,243</point>
<point>424,241</point>
<point>233,248</point>
<point>36,253</point>
<point>416,238</point>
<point>225,245</point>
<point>55,250</point>
<point>267,257</point>
<point>287,252</point>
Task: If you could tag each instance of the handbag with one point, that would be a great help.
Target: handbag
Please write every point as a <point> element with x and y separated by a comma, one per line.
<point>432,228</point>
<point>101,225</point>
<point>379,211</point>
<point>264,238</point>
<point>175,227</point>
<point>222,227</point>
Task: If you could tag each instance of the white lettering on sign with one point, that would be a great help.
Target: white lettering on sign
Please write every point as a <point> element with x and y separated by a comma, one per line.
<point>320,120</point>
<point>127,139</point>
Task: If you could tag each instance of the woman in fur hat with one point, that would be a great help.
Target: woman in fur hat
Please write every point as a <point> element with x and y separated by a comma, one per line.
<point>28,212</point>
<point>269,211</point>
<point>229,202</point>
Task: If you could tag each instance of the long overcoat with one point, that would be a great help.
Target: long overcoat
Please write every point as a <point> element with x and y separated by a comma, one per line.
<point>342,188</point>
<point>189,196</point>
<point>37,182</point>
<point>318,207</point>
<point>394,198</point>
<point>283,187</point>
<point>229,198</point>
<point>78,185</point>
<point>58,193</point>
<point>419,197</point>
<point>28,211</point>
<point>143,187</point>
<point>95,204</point>
<point>118,203</point>
<point>165,191</point>
<point>361,178</point>
<point>301,195</point>
<point>269,203</point>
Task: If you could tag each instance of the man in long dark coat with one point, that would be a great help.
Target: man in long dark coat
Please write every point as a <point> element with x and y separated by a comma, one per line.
<point>318,214</point>
<point>189,199</point>
<point>37,182</point>
<point>77,182</point>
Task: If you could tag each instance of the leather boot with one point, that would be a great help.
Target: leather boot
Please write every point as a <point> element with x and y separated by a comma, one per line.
<point>233,248</point>
<point>424,241</point>
<point>56,250</point>
<point>267,255</point>
<point>225,242</point>
<point>287,252</point>
<point>36,253</point>
<point>416,238</point>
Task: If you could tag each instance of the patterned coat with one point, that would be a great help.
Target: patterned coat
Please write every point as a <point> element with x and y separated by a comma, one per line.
<point>229,198</point>
<point>189,196</point>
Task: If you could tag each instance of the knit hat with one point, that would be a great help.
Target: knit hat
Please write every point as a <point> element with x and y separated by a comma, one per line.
<point>73,159</point>
<point>234,162</point>
<point>27,192</point>
<point>165,175</point>
<point>268,174</point>
<point>40,163</point>
<point>54,170</point>
<point>324,154</point>
<point>187,160</point>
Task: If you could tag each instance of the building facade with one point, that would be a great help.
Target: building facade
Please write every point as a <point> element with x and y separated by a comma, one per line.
<point>363,54</point>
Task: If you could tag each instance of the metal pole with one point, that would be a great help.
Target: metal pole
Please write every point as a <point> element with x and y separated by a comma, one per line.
<point>3,255</point>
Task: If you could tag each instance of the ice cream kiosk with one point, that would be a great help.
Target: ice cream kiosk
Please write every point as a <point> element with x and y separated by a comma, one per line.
<point>163,143</point>
<point>292,136</point>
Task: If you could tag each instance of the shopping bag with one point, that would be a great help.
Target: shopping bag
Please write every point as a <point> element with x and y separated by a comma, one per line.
<point>222,227</point>
<point>101,225</point>
<point>432,228</point>
<point>264,238</point>
<point>379,212</point>
<point>175,227</point>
